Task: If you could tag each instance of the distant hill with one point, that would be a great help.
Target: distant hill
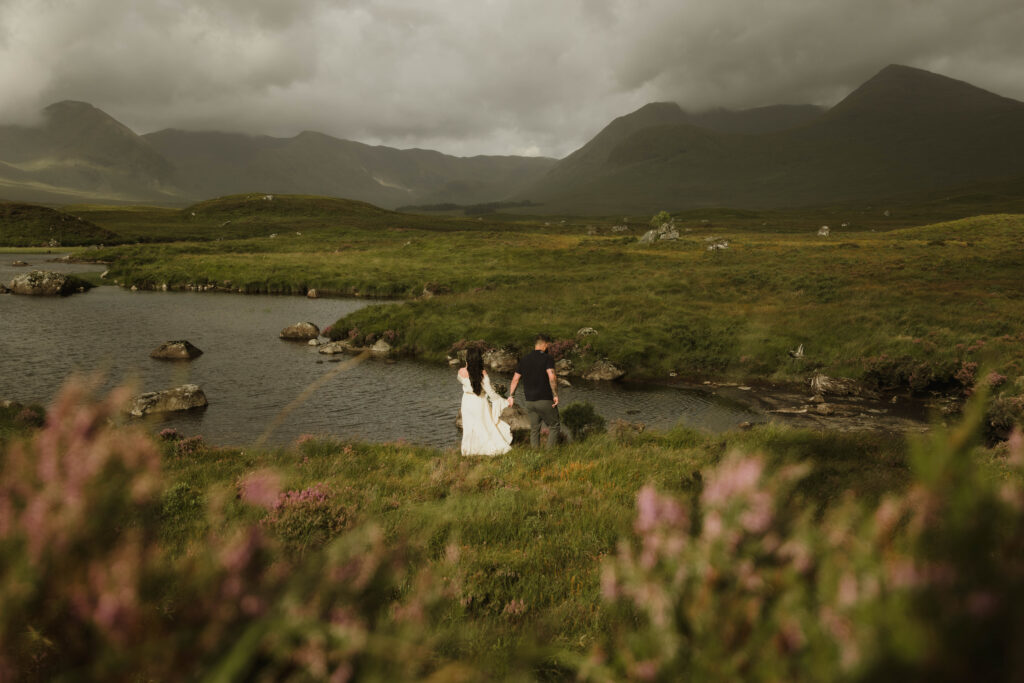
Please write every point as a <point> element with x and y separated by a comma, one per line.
<point>26,225</point>
<point>211,164</point>
<point>80,154</point>
<point>905,130</point>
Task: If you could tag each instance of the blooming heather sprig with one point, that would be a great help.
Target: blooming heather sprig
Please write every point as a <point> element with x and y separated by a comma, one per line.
<point>764,588</point>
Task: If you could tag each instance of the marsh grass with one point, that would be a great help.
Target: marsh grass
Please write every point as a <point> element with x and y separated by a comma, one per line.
<point>903,309</point>
<point>530,528</point>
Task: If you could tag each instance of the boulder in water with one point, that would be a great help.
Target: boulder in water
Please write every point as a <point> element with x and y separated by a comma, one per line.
<point>185,397</point>
<point>47,283</point>
<point>603,370</point>
<point>176,350</point>
<point>500,360</point>
<point>301,332</point>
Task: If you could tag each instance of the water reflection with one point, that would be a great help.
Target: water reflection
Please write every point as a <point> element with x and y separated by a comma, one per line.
<point>250,376</point>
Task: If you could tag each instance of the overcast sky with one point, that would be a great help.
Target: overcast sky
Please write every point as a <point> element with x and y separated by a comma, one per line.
<point>477,76</point>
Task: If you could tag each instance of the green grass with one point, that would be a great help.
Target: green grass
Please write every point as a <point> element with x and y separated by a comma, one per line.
<point>909,308</point>
<point>27,225</point>
<point>530,526</point>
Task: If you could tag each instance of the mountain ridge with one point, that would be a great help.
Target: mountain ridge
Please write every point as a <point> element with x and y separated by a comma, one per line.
<point>903,130</point>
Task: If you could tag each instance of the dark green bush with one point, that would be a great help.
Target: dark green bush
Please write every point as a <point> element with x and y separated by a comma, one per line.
<point>581,420</point>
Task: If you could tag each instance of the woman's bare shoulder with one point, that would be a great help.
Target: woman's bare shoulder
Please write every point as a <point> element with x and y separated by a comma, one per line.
<point>463,372</point>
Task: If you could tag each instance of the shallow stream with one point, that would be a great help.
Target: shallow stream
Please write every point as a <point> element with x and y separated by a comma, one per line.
<point>251,377</point>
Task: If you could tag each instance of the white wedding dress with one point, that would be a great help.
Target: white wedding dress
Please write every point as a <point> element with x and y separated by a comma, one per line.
<point>483,430</point>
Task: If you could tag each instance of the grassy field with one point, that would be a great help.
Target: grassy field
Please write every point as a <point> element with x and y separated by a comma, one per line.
<point>908,309</point>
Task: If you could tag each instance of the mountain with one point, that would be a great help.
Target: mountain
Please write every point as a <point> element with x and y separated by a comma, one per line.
<point>905,130</point>
<point>80,153</point>
<point>215,164</point>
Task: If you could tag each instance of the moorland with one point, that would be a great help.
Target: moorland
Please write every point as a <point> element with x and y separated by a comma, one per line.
<point>772,553</point>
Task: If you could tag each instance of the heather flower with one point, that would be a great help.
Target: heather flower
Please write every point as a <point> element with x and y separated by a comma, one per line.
<point>170,434</point>
<point>262,488</point>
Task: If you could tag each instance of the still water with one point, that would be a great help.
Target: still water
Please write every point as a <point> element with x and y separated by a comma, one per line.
<point>251,377</point>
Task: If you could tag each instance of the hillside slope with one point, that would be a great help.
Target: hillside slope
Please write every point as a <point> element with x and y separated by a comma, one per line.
<point>214,164</point>
<point>26,225</point>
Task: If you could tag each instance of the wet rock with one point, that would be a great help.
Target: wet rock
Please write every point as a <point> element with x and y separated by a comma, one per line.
<point>314,342</point>
<point>381,348</point>
<point>176,350</point>
<point>514,416</point>
<point>500,360</point>
<point>835,386</point>
<point>47,283</point>
<point>185,397</point>
<point>301,331</point>
<point>563,367</point>
<point>18,263</point>
<point>332,348</point>
<point>603,370</point>
<point>313,294</point>
<point>3,289</point>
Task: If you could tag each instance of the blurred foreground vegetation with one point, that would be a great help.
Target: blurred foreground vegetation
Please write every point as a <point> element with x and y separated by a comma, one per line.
<point>772,554</point>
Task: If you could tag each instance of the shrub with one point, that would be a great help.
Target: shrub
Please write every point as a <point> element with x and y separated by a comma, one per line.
<point>582,420</point>
<point>308,518</point>
<point>744,583</point>
<point>87,591</point>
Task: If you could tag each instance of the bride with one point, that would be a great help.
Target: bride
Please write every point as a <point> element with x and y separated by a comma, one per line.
<point>483,431</point>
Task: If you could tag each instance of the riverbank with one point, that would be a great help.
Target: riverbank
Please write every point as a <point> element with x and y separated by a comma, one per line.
<point>915,311</point>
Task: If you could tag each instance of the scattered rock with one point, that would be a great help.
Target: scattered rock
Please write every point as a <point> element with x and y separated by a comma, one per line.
<point>314,342</point>
<point>824,409</point>
<point>18,263</point>
<point>744,425</point>
<point>332,348</point>
<point>3,289</point>
<point>585,331</point>
<point>185,397</point>
<point>176,350</point>
<point>381,348</point>
<point>824,231</point>
<point>603,370</point>
<point>514,416</point>
<point>500,360</point>
<point>620,228</point>
<point>563,382</point>
<point>301,331</point>
<point>313,294</point>
<point>563,367</point>
<point>836,386</point>
<point>433,289</point>
<point>47,283</point>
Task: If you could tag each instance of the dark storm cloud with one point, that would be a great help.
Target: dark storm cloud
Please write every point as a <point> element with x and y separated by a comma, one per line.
<point>476,76</point>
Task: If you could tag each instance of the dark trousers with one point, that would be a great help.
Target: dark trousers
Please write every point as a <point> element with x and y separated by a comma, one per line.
<point>543,411</point>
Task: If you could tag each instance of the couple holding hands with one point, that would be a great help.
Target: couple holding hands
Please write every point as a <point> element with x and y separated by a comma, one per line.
<point>483,430</point>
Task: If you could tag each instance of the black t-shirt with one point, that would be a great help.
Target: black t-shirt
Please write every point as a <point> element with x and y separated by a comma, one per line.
<point>533,367</point>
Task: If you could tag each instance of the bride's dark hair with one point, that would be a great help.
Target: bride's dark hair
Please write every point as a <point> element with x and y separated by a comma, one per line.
<point>475,368</point>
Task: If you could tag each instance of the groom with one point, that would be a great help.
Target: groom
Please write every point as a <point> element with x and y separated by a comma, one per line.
<point>537,370</point>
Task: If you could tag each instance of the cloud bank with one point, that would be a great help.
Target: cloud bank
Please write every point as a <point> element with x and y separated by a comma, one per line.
<point>477,76</point>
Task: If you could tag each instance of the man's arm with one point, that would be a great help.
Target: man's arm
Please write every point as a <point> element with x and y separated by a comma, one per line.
<point>553,381</point>
<point>512,387</point>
